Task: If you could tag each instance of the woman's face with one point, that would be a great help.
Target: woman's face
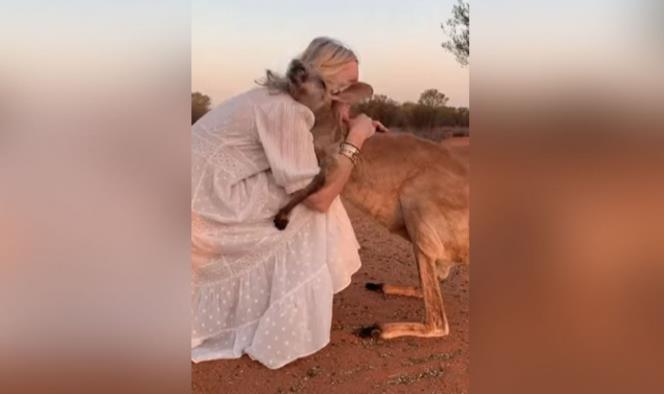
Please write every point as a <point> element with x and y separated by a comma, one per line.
<point>348,75</point>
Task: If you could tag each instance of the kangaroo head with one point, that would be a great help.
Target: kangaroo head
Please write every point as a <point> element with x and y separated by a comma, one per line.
<point>354,93</point>
<point>306,86</point>
<point>329,130</point>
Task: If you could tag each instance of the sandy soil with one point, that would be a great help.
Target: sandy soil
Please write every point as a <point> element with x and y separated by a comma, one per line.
<point>349,364</point>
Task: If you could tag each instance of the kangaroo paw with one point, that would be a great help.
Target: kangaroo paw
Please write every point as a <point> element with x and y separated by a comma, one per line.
<point>281,221</point>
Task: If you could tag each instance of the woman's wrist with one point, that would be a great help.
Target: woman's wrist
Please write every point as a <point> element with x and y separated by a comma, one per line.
<point>350,151</point>
<point>355,139</point>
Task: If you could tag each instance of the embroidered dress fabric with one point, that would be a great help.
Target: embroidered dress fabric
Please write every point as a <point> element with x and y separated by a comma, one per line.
<point>257,290</point>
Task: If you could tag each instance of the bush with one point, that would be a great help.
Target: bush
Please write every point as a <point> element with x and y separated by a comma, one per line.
<point>429,112</point>
<point>380,107</point>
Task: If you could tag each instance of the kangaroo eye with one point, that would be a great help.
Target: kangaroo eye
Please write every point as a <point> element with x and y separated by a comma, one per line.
<point>322,84</point>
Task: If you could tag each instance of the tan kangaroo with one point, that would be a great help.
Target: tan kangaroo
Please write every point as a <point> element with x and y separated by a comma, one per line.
<point>417,189</point>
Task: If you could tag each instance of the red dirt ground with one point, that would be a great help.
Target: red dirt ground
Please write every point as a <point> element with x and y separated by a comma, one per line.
<point>349,364</point>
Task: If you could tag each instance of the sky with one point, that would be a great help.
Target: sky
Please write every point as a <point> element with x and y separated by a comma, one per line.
<point>398,43</point>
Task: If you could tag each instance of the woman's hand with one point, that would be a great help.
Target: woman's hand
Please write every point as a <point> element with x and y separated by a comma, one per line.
<point>380,127</point>
<point>360,127</point>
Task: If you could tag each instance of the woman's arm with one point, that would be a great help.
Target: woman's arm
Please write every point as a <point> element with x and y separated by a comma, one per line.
<point>361,128</point>
<point>334,184</point>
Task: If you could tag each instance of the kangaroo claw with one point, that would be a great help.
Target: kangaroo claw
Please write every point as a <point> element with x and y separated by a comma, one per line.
<point>280,222</point>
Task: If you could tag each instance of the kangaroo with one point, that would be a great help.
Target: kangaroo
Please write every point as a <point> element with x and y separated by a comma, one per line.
<point>415,188</point>
<point>307,87</point>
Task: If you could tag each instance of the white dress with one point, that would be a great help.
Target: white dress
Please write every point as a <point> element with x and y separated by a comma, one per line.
<point>258,290</point>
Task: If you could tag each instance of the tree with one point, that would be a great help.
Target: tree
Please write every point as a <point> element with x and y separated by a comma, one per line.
<point>380,107</point>
<point>463,117</point>
<point>431,111</point>
<point>433,98</point>
<point>200,105</point>
<point>457,29</point>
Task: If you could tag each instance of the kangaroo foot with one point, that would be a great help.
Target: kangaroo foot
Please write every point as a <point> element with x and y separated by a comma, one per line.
<point>395,330</point>
<point>281,221</point>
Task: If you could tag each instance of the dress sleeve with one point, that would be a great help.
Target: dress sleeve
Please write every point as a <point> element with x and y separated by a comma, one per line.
<point>284,130</point>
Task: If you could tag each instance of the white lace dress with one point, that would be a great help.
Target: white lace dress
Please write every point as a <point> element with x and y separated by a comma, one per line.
<point>258,290</point>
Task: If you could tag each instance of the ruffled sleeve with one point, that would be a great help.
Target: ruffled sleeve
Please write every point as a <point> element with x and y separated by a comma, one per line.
<point>284,131</point>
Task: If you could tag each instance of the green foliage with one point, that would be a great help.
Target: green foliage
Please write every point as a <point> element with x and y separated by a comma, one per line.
<point>457,29</point>
<point>200,105</point>
<point>433,98</point>
<point>380,107</point>
<point>430,111</point>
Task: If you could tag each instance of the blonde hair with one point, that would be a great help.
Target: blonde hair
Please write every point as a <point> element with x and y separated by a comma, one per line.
<point>326,56</point>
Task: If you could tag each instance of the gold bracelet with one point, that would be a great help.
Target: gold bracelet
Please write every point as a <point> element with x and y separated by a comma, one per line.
<point>351,147</point>
<point>348,156</point>
<point>348,144</point>
<point>352,156</point>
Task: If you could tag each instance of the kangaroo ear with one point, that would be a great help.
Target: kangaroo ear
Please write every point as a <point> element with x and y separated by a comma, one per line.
<point>297,72</point>
<point>354,93</point>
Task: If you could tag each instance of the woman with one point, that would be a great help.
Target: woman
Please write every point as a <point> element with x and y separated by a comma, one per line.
<point>258,290</point>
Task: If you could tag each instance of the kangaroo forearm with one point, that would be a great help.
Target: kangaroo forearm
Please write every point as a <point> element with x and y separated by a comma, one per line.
<point>337,177</point>
<point>301,195</point>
